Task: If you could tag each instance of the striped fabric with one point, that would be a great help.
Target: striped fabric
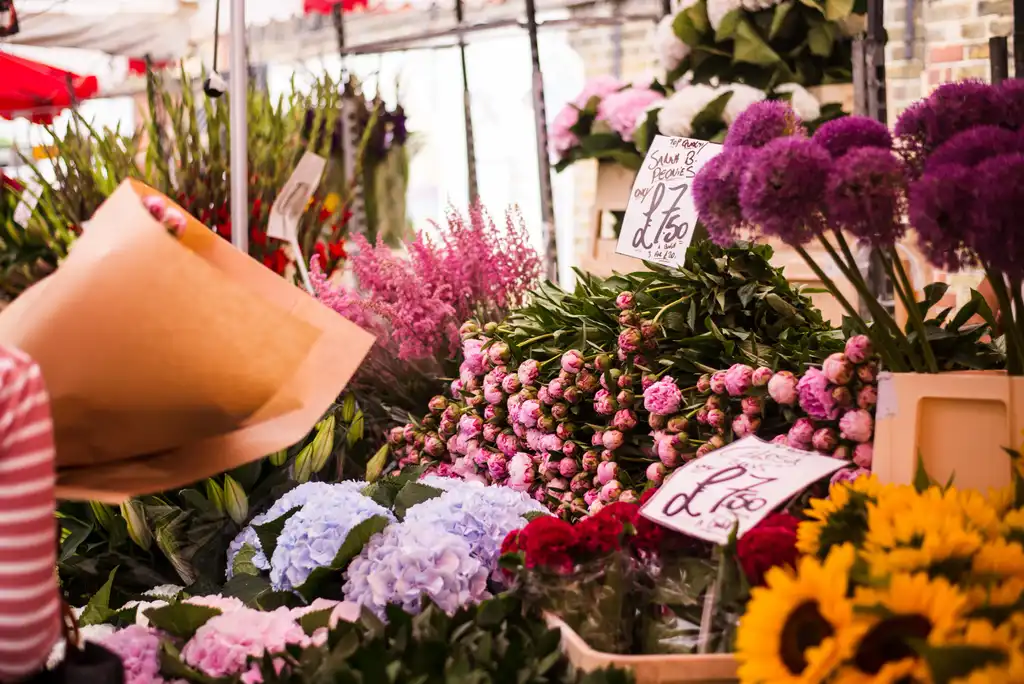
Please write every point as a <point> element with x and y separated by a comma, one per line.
<point>29,599</point>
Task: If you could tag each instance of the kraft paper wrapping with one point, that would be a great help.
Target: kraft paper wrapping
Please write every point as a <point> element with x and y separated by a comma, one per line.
<point>168,361</point>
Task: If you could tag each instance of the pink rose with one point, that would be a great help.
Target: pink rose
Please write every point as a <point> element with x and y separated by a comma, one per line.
<point>838,369</point>
<point>856,425</point>
<point>738,379</point>
<point>859,348</point>
<point>663,397</point>
<point>816,396</point>
<point>782,388</point>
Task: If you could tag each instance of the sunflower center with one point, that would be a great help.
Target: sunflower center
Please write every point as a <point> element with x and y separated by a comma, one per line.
<point>886,642</point>
<point>805,628</point>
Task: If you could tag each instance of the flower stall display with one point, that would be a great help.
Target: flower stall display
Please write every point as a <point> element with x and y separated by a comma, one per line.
<point>943,175</point>
<point>899,583</point>
<point>584,398</point>
<point>25,255</point>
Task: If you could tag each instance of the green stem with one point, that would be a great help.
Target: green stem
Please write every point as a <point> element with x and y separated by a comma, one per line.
<point>669,306</point>
<point>895,342</point>
<point>1016,316</point>
<point>910,301</point>
<point>1010,332</point>
<point>538,338</point>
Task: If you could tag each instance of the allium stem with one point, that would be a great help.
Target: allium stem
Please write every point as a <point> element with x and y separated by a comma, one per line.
<point>914,313</point>
<point>669,306</point>
<point>1013,335</point>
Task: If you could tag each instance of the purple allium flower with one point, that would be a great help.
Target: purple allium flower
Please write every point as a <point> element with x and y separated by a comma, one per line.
<point>624,300</point>
<point>865,195</point>
<point>973,146</point>
<point>716,194</point>
<point>738,379</point>
<point>856,426</point>
<point>783,388</point>
<point>409,560</point>
<point>763,122</point>
<point>996,234</point>
<point>816,396</point>
<point>784,188</point>
<point>841,135</point>
<point>1012,92</point>
<point>950,109</point>
<point>572,361</point>
<point>663,397</point>
<point>863,455</point>
<point>941,210</point>
<point>801,434</point>
<point>825,440</point>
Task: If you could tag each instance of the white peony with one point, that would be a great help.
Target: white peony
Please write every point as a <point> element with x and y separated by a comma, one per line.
<point>670,50</point>
<point>742,97</point>
<point>717,9</point>
<point>677,112</point>
<point>804,104</point>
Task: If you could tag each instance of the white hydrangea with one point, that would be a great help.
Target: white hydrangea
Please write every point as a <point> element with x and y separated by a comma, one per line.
<point>90,633</point>
<point>804,104</point>
<point>742,97</point>
<point>717,9</point>
<point>676,115</point>
<point>670,50</point>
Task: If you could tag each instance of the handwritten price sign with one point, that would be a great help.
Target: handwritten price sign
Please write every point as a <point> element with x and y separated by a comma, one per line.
<point>660,216</point>
<point>739,483</point>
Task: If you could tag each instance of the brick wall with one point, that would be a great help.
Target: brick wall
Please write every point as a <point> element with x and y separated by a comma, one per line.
<point>948,39</point>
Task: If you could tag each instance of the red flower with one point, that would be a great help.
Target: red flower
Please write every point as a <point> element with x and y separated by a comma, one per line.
<point>771,544</point>
<point>337,251</point>
<point>276,261</point>
<point>512,542</point>
<point>549,542</point>
<point>599,536</point>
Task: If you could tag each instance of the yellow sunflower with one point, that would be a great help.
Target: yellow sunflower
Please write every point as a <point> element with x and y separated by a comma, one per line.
<point>1013,524</point>
<point>1001,499</point>
<point>995,595</point>
<point>911,607</point>
<point>1009,670</point>
<point>841,518</point>
<point>1000,558</point>
<point>980,512</point>
<point>796,629</point>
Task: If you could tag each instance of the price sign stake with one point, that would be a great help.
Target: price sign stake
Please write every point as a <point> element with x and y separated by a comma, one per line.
<point>291,204</point>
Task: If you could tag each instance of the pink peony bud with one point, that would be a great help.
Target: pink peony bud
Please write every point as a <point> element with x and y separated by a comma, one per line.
<point>567,467</point>
<point>656,473</point>
<point>471,425</point>
<point>842,452</point>
<point>848,475</point>
<point>838,369</point>
<point>560,411</point>
<point>528,372</point>
<point>752,406</point>
<point>433,446</point>
<point>782,388</point>
<point>702,416</point>
<point>590,461</point>
<point>842,396</point>
<point>580,483</point>
<point>556,388</point>
<point>663,397</point>
<point>604,404</point>
<point>611,491</point>
<point>590,498</point>
<point>544,397</point>
<point>629,318</point>
<point>624,300</point>
<point>859,349</point>
<point>713,402</point>
<point>761,376</point>
<point>511,384</point>
<point>567,378</point>
<point>498,353</point>
<point>607,455</point>
<point>606,472</point>
<point>493,393</point>
<point>491,433</point>
<point>825,440</point>
<point>572,361</point>
<point>456,389</point>
<point>779,439</point>
<point>704,450</point>
<point>868,372</point>
<point>551,443</point>
<point>743,425</point>
<point>481,458</point>
<point>530,412</point>
<point>597,439</point>
<point>738,379</point>
<point>718,382</point>
<point>856,425</point>
<point>587,382</point>
<point>497,467</point>
<point>546,424</point>
<point>863,455</point>
<point>628,496</point>
<point>704,383</point>
<point>649,329</point>
<point>612,440</point>
<point>667,454</point>
<point>624,420</point>
<point>867,397</point>
<point>716,418</point>
<point>677,424</point>
<point>572,394</point>
<point>800,434</point>
<point>396,436</point>
<point>437,404</point>
<point>630,340</point>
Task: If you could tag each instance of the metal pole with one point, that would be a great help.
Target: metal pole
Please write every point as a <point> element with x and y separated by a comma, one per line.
<point>474,194</point>
<point>238,91</point>
<point>547,203</point>
<point>999,59</point>
<point>1018,38</point>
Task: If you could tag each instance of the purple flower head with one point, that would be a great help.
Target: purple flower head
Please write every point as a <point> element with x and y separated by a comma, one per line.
<point>865,195</point>
<point>1012,92</point>
<point>839,136</point>
<point>784,187</point>
<point>996,234</point>
<point>973,146</point>
<point>950,109</point>
<point>816,396</point>
<point>762,122</point>
<point>941,210</point>
<point>716,194</point>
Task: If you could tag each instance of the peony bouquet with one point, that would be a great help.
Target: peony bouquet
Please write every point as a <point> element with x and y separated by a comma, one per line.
<point>950,167</point>
<point>900,583</point>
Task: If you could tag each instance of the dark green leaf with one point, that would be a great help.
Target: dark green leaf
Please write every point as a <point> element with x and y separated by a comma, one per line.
<point>181,620</point>
<point>310,622</point>
<point>751,48</point>
<point>243,564</point>
<point>779,17</point>
<point>246,588</point>
<point>270,531</point>
<point>821,38</point>
<point>412,494</point>
<point>98,611</point>
<point>922,481</point>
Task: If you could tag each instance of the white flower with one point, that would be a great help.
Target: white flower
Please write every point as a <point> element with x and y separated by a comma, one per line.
<point>803,103</point>
<point>742,97</point>
<point>676,116</point>
<point>165,591</point>
<point>140,610</point>
<point>670,50</point>
<point>92,633</point>
<point>717,9</point>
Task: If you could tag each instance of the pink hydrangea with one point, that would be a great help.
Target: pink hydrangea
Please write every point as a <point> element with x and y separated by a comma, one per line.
<point>138,647</point>
<point>225,604</point>
<point>223,645</point>
<point>663,397</point>
<point>561,135</point>
<point>599,87</point>
<point>816,395</point>
<point>623,111</point>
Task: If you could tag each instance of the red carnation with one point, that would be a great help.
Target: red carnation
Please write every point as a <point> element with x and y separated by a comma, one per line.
<point>599,535</point>
<point>549,541</point>
<point>513,542</point>
<point>771,544</point>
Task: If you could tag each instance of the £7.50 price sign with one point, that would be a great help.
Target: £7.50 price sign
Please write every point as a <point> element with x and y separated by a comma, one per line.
<point>738,484</point>
<point>661,217</point>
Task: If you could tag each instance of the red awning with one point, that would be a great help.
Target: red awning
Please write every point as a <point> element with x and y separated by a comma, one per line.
<point>327,6</point>
<point>39,92</point>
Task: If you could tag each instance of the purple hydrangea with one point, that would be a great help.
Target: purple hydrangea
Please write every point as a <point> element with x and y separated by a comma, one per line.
<point>762,122</point>
<point>410,560</point>
<point>716,194</point>
<point>839,136</point>
<point>312,537</point>
<point>996,234</point>
<point>973,146</point>
<point>784,188</point>
<point>483,516</point>
<point>865,195</point>
<point>941,208</point>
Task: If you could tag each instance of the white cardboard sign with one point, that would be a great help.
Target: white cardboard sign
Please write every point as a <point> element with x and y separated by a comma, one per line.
<point>661,217</point>
<point>739,483</point>
<point>293,199</point>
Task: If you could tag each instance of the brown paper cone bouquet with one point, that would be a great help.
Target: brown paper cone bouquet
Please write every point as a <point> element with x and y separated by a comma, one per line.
<point>172,359</point>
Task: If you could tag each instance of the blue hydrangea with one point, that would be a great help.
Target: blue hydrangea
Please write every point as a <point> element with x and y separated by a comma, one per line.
<point>294,498</point>
<point>414,559</point>
<point>483,516</point>
<point>312,537</point>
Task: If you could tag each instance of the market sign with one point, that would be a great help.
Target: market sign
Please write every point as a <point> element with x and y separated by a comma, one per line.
<point>661,217</point>
<point>738,484</point>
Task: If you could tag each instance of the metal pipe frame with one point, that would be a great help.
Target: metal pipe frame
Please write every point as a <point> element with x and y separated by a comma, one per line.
<point>238,90</point>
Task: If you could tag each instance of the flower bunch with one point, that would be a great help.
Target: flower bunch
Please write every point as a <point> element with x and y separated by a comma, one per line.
<point>580,417</point>
<point>899,582</point>
<point>852,178</point>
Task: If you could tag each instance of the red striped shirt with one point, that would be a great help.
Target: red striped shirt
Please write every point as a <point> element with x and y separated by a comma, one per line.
<point>29,598</point>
